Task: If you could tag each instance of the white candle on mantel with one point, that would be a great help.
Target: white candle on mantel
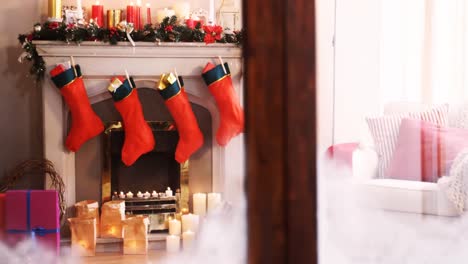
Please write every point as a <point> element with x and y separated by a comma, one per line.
<point>214,200</point>
<point>199,204</point>
<point>190,222</point>
<point>181,9</point>
<point>172,244</point>
<point>187,239</point>
<point>79,7</point>
<point>175,227</point>
<point>211,15</point>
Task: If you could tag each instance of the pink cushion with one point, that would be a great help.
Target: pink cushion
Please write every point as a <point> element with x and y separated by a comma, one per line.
<point>425,151</point>
<point>342,152</point>
<point>384,130</point>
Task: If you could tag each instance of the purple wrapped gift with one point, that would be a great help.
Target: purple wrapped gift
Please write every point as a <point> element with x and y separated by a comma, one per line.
<point>33,214</point>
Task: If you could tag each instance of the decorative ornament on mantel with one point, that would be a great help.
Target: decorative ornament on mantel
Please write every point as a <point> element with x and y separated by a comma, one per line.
<point>167,31</point>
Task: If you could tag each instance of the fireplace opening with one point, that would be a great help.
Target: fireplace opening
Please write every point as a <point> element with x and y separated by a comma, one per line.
<point>149,177</point>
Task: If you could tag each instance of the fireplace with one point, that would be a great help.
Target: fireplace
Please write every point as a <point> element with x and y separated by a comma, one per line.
<point>211,169</point>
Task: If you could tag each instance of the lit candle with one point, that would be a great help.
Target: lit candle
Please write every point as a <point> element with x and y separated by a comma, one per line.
<point>174,227</point>
<point>163,13</point>
<point>138,16</point>
<point>122,195</point>
<point>172,244</point>
<point>214,200</point>
<point>79,8</point>
<point>187,238</point>
<point>199,204</point>
<point>190,222</point>
<point>147,194</point>
<point>182,10</point>
<point>139,194</point>
<point>168,192</point>
<point>55,10</point>
<point>131,13</point>
<point>97,13</point>
<point>129,195</point>
<point>148,14</point>
<point>154,194</point>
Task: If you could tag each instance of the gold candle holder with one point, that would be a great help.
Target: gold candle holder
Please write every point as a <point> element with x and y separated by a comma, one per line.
<point>135,240</point>
<point>112,214</point>
<point>83,236</point>
<point>88,209</point>
<point>55,10</point>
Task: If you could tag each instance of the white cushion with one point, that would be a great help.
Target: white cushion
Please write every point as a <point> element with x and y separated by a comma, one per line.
<point>407,196</point>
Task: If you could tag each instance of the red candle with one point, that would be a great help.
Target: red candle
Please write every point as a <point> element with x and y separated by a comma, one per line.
<point>131,13</point>
<point>97,14</point>
<point>138,18</point>
<point>148,14</point>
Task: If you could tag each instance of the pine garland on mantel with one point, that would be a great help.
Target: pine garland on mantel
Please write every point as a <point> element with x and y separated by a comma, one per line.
<point>167,31</point>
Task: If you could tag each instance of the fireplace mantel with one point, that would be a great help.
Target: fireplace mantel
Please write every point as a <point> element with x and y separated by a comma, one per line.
<point>145,62</point>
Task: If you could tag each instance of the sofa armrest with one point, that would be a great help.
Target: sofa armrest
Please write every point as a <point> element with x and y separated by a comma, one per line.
<point>365,164</point>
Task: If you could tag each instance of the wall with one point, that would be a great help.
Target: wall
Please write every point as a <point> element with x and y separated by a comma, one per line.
<point>20,98</point>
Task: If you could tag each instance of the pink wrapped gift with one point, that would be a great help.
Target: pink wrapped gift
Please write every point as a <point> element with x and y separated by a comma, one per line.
<point>33,214</point>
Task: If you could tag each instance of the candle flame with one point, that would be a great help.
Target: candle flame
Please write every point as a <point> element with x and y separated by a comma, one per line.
<point>97,2</point>
<point>148,5</point>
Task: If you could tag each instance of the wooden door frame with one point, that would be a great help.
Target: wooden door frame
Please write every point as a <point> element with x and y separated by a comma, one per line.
<point>280,95</point>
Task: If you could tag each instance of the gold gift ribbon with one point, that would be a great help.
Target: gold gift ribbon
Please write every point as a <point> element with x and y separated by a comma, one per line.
<point>166,80</point>
<point>114,85</point>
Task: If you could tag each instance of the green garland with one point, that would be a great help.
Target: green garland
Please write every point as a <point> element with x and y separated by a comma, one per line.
<point>167,31</point>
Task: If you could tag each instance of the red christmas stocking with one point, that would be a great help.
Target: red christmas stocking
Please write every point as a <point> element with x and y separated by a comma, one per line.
<point>176,100</point>
<point>139,138</point>
<point>85,123</point>
<point>232,114</point>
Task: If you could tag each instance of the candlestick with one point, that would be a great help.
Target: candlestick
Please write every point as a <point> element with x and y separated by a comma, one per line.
<point>199,204</point>
<point>97,13</point>
<point>172,244</point>
<point>174,227</point>
<point>187,238</point>
<point>214,200</point>
<point>148,14</point>
<point>55,10</point>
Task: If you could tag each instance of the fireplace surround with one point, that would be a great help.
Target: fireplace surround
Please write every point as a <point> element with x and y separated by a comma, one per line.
<point>145,62</point>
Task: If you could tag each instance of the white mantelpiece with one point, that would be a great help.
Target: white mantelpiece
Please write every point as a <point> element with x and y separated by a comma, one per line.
<point>145,62</point>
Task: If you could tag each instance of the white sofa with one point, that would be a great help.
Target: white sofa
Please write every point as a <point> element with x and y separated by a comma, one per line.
<point>398,195</point>
<point>401,195</point>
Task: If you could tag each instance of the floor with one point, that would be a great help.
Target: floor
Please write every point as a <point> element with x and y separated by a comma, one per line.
<point>110,258</point>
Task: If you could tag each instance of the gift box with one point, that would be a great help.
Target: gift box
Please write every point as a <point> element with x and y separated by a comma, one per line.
<point>112,214</point>
<point>135,235</point>
<point>2,216</point>
<point>33,214</point>
<point>88,209</point>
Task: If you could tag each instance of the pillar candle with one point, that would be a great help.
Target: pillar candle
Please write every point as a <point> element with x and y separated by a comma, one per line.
<point>97,13</point>
<point>172,244</point>
<point>214,200</point>
<point>79,7</point>
<point>148,14</point>
<point>138,24</point>
<point>131,13</point>
<point>199,204</point>
<point>190,222</point>
<point>187,239</point>
<point>182,10</point>
<point>55,10</point>
<point>211,16</point>
<point>174,227</point>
